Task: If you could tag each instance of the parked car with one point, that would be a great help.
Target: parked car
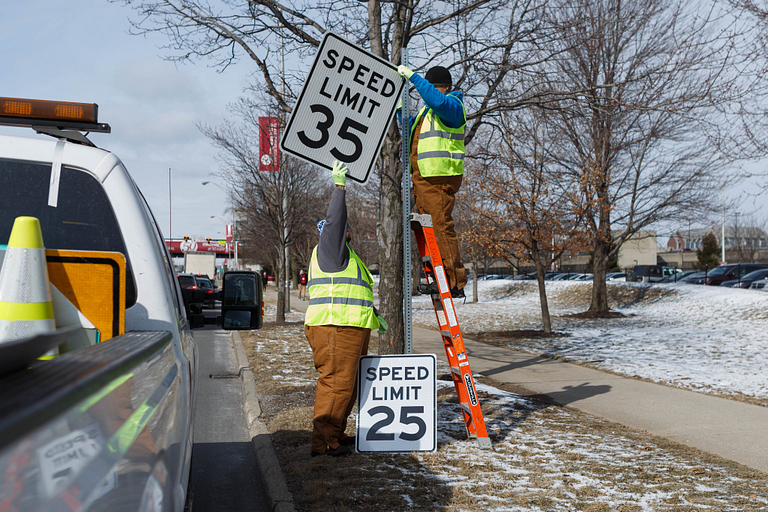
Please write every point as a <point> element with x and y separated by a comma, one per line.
<point>524,277</point>
<point>747,280</point>
<point>492,277</point>
<point>680,276</point>
<point>731,271</point>
<point>695,278</point>
<point>653,273</point>
<point>565,277</point>
<point>616,276</point>
<point>760,284</point>
<point>205,284</point>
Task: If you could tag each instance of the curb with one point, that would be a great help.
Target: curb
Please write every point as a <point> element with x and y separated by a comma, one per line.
<point>279,496</point>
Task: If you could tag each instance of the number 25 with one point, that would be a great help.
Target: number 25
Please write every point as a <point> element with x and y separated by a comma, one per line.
<point>344,132</point>
<point>405,419</point>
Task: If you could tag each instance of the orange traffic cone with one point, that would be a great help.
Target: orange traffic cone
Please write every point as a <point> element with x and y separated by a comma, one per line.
<point>25,293</point>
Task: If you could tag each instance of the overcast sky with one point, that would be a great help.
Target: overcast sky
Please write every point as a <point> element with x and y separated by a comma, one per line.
<point>80,50</point>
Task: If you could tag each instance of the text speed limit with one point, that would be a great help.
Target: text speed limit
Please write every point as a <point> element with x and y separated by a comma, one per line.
<point>396,404</point>
<point>344,109</point>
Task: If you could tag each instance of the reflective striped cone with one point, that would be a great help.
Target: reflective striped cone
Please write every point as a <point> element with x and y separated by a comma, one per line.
<point>25,293</point>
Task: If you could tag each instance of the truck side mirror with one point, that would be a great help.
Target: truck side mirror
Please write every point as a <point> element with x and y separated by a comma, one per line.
<point>242,301</point>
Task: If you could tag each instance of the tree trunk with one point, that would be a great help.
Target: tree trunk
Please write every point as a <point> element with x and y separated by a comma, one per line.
<point>280,283</point>
<point>599,287</point>
<point>541,270</point>
<point>390,238</point>
<point>602,241</point>
<point>475,263</point>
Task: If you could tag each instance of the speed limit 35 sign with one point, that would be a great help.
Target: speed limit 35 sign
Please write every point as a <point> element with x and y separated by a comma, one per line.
<point>344,109</point>
<point>397,403</point>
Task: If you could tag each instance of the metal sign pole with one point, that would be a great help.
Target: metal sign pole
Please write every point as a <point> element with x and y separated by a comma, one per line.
<point>406,188</point>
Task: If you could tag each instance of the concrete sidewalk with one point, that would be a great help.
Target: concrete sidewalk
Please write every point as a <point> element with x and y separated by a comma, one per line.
<point>730,429</point>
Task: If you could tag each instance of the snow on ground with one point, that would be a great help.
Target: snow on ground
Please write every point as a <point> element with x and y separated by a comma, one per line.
<point>552,456</point>
<point>544,458</point>
<point>703,338</point>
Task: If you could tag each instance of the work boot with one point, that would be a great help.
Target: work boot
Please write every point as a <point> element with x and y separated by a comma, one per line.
<point>428,289</point>
<point>347,441</point>
<point>341,451</point>
<point>458,293</point>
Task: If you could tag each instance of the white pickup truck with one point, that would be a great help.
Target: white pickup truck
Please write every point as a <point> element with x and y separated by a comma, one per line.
<point>107,425</point>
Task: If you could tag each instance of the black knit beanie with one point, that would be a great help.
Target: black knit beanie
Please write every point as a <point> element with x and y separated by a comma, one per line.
<point>439,75</point>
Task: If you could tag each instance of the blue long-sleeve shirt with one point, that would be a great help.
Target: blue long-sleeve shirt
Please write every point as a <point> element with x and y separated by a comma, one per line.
<point>449,109</point>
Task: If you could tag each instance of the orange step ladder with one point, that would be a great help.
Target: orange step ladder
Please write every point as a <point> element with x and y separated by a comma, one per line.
<point>449,330</point>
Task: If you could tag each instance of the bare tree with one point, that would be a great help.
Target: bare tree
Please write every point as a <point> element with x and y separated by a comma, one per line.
<point>469,224</point>
<point>264,196</point>
<point>650,82</point>
<point>748,235</point>
<point>487,44</point>
<point>530,218</point>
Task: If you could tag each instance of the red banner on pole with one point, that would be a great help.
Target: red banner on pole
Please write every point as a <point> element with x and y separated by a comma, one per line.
<point>229,233</point>
<point>269,137</point>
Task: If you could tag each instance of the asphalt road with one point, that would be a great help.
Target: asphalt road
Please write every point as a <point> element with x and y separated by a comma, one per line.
<point>224,470</point>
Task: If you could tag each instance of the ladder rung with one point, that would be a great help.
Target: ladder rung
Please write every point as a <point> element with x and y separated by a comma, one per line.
<point>446,334</point>
<point>465,406</point>
<point>426,259</point>
<point>456,370</point>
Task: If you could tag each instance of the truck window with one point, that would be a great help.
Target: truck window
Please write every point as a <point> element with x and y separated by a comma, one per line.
<point>187,281</point>
<point>170,273</point>
<point>83,220</point>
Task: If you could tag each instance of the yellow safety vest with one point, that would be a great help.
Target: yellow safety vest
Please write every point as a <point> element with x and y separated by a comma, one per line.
<point>441,148</point>
<point>342,298</point>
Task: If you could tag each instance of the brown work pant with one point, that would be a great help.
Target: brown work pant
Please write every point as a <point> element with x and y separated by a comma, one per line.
<point>336,352</point>
<point>435,196</point>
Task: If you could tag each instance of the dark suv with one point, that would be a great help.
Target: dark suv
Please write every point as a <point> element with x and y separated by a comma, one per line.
<point>731,271</point>
<point>652,273</point>
<point>187,281</point>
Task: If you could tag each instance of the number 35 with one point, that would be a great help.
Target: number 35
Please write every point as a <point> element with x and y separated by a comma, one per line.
<point>344,132</point>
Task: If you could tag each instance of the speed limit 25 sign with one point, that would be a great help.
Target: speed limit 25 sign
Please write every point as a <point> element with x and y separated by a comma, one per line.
<point>396,403</point>
<point>344,109</point>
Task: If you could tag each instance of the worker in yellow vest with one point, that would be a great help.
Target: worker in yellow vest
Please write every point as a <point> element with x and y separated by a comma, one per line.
<point>437,165</point>
<point>338,323</point>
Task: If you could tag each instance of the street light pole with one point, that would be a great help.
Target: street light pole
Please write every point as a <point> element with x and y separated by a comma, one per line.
<point>281,170</point>
<point>722,235</point>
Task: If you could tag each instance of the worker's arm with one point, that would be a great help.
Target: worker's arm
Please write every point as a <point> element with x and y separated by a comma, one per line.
<point>332,253</point>
<point>448,108</point>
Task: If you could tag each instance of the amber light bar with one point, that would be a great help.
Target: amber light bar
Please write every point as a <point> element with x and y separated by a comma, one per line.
<point>49,110</point>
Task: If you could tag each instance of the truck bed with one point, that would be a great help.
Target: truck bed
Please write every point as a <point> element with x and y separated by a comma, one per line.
<point>32,397</point>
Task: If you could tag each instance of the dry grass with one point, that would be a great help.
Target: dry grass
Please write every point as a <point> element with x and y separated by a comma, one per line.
<point>545,457</point>
<point>618,296</point>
